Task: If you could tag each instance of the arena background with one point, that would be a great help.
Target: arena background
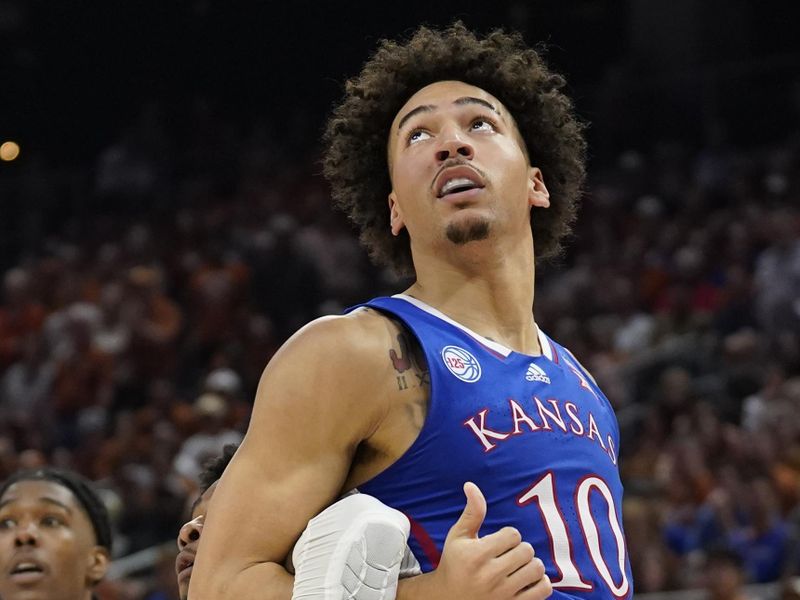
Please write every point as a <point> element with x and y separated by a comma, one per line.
<point>164,228</point>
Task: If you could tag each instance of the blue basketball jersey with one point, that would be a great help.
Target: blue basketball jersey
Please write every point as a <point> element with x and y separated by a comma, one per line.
<point>537,436</point>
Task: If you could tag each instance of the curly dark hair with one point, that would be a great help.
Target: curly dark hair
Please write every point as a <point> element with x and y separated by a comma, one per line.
<point>213,468</point>
<point>355,158</point>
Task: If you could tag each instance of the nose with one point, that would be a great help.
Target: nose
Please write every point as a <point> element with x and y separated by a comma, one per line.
<point>453,145</point>
<point>26,535</point>
<point>190,532</point>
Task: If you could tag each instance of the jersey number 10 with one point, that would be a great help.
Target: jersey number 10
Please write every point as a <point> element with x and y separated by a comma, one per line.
<point>543,492</point>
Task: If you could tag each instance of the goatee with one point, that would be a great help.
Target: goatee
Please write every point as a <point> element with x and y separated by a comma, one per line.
<point>463,233</point>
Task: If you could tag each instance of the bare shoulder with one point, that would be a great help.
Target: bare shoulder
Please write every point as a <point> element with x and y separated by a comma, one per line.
<point>336,367</point>
<point>380,342</point>
<point>342,340</point>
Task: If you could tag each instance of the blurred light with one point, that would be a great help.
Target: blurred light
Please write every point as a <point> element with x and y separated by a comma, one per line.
<point>9,151</point>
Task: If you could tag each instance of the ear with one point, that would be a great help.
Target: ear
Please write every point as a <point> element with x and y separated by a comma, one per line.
<point>97,564</point>
<point>538,195</point>
<point>395,216</point>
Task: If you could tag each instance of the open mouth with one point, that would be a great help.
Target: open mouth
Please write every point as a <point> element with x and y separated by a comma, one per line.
<point>455,186</point>
<point>457,180</point>
<point>26,572</point>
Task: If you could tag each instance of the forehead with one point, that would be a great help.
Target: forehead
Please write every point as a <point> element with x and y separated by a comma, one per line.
<point>445,93</point>
<point>200,507</point>
<point>30,492</point>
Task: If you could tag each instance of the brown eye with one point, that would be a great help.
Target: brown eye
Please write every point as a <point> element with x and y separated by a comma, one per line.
<point>482,125</point>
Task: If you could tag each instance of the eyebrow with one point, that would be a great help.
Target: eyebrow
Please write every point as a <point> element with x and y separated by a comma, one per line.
<point>459,102</point>
<point>45,499</point>
<point>195,504</point>
<point>56,503</point>
<point>480,101</point>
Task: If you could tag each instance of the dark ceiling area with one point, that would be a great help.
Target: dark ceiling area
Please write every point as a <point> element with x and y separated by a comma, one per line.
<point>75,73</point>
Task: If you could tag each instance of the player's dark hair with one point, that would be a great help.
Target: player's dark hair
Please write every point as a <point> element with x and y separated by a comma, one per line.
<point>355,158</point>
<point>213,468</point>
<point>80,487</point>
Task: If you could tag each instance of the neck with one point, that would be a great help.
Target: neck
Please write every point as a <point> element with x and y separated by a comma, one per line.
<point>486,288</point>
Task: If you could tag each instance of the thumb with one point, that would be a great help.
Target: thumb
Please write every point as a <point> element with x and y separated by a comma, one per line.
<point>471,519</point>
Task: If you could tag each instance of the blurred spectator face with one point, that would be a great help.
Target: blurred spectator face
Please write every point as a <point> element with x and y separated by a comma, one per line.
<point>15,287</point>
<point>189,540</point>
<point>32,459</point>
<point>47,544</point>
<point>675,385</point>
<point>144,282</point>
<point>724,577</point>
<point>211,410</point>
<point>763,503</point>
<point>81,332</point>
<point>782,228</point>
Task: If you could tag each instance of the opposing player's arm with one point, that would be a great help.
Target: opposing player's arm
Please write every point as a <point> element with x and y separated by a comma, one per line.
<point>313,407</point>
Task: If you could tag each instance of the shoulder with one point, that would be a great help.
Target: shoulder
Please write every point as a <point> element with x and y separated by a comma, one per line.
<point>336,367</point>
<point>341,338</point>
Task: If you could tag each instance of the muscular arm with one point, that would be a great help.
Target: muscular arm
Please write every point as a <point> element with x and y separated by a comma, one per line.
<point>313,408</point>
<point>327,391</point>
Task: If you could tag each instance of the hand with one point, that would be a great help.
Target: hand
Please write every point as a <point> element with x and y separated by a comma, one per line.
<point>497,566</point>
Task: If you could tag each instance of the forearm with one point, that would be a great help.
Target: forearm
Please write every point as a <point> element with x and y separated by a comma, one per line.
<point>265,581</point>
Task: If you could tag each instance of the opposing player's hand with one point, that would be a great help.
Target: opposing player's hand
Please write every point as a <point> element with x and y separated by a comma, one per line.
<point>497,566</point>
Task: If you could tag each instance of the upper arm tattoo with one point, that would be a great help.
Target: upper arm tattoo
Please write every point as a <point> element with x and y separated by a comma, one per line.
<point>409,358</point>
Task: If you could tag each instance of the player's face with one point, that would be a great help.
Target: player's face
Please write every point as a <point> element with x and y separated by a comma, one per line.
<point>189,539</point>
<point>47,544</point>
<point>458,167</point>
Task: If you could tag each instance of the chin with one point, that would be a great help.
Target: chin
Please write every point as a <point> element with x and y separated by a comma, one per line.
<point>466,231</point>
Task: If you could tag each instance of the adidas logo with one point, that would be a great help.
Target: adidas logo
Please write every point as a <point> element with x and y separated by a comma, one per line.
<point>536,374</point>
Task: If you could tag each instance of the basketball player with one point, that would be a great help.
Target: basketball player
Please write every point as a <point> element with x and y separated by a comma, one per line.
<point>189,535</point>
<point>55,537</point>
<point>461,161</point>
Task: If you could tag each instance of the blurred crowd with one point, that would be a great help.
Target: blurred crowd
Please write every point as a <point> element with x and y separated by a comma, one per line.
<point>147,292</point>
<point>682,296</point>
